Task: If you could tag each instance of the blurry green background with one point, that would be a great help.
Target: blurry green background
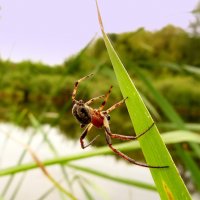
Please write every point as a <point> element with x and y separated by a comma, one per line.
<point>168,57</point>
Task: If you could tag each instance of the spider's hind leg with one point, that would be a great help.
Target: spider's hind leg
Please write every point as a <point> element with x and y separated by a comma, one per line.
<point>84,134</point>
<point>76,86</point>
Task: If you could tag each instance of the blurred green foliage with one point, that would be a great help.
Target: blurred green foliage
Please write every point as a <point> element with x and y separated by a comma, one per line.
<point>46,90</point>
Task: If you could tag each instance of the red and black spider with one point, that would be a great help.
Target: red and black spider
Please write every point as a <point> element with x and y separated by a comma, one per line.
<point>90,117</point>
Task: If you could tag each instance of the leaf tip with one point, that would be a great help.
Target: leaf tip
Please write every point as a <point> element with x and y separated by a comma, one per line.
<point>99,16</point>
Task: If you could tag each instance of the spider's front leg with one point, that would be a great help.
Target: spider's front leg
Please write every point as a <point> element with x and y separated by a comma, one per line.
<point>94,99</point>
<point>84,134</point>
<point>113,107</point>
<point>125,137</point>
<point>109,142</point>
<point>122,137</point>
<point>105,99</point>
<point>119,153</point>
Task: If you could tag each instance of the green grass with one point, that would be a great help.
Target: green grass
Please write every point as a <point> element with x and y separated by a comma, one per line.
<point>168,138</point>
<point>171,114</point>
<point>168,181</point>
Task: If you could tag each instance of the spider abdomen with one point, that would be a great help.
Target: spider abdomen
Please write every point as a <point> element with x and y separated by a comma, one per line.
<point>82,114</point>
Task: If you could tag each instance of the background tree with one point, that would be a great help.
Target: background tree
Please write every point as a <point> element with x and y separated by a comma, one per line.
<point>195,25</point>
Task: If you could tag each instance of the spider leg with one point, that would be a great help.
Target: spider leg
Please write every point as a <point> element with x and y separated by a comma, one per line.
<point>94,99</point>
<point>116,105</point>
<point>125,137</point>
<point>76,86</point>
<point>105,99</point>
<point>119,153</point>
<point>83,135</point>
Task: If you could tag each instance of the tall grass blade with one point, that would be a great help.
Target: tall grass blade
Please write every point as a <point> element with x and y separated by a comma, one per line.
<point>167,180</point>
<point>177,120</point>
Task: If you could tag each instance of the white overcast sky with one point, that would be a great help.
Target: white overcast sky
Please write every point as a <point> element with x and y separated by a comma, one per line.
<point>51,30</point>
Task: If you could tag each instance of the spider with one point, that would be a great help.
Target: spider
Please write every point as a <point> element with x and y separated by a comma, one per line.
<point>89,117</point>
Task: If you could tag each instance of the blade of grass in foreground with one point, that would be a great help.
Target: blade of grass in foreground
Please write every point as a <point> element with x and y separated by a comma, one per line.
<point>169,111</point>
<point>169,138</point>
<point>168,182</point>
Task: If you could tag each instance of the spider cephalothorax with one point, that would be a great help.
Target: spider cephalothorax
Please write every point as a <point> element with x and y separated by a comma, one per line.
<point>89,117</point>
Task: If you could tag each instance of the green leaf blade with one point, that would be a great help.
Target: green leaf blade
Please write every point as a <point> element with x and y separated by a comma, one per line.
<point>167,180</point>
